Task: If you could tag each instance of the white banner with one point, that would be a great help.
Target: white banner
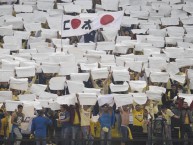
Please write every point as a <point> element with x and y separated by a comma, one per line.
<point>5,75</point>
<point>87,98</point>
<point>75,26</point>
<point>121,75</point>
<point>139,98</point>
<point>19,84</point>
<point>57,83</point>
<point>119,88</point>
<point>137,85</point>
<point>105,99</point>
<point>159,77</point>
<point>5,95</point>
<point>123,99</point>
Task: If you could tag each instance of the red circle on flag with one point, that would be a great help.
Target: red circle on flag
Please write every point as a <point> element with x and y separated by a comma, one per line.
<point>106,19</point>
<point>75,23</point>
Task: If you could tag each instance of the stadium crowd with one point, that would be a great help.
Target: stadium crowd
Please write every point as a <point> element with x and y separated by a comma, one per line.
<point>138,93</point>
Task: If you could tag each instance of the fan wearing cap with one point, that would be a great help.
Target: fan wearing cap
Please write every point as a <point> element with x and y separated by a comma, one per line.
<point>106,120</point>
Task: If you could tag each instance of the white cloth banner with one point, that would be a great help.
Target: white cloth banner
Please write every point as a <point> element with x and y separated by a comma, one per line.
<point>159,77</point>
<point>50,67</point>
<point>37,89</point>
<point>174,52</point>
<point>139,98</point>
<point>184,62</point>
<point>75,87</point>
<point>67,99</point>
<point>121,75</point>
<point>9,65</point>
<point>100,73</point>
<point>74,26</point>
<point>5,75</point>
<point>172,68</point>
<point>23,72</point>
<point>157,89</point>
<point>5,95</point>
<point>123,99</point>
<point>110,5</point>
<point>12,105</point>
<point>134,65</point>
<point>178,78</point>
<point>66,68</point>
<point>47,96</point>
<point>156,62</point>
<point>19,84</point>
<point>150,70</point>
<point>119,88</point>
<point>106,99</point>
<point>82,77</point>
<point>27,97</point>
<point>153,95</point>
<point>87,98</point>
<point>92,90</point>
<point>57,83</point>
<point>89,66</point>
<point>137,85</point>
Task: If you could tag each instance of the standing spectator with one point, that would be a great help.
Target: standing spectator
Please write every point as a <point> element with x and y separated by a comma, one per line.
<point>16,120</point>
<point>106,120</point>
<point>187,120</point>
<point>64,120</point>
<point>176,122</point>
<point>125,130</point>
<point>39,126</point>
<point>138,118</point>
<point>85,114</point>
<point>4,125</point>
<point>75,121</point>
<point>168,114</point>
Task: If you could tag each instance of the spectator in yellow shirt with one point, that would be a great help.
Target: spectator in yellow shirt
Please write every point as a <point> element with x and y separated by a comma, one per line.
<point>4,125</point>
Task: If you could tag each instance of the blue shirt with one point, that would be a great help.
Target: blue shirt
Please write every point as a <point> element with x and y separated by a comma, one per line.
<point>39,126</point>
<point>107,120</point>
<point>63,116</point>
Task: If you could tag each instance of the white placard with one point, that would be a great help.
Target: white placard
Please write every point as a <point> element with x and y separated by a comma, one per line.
<point>87,98</point>
<point>137,85</point>
<point>139,98</point>
<point>19,84</point>
<point>159,77</point>
<point>23,72</point>
<point>5,75</point>
<point>119,88</point>
<point>57,83</point>
<point>5,95</point>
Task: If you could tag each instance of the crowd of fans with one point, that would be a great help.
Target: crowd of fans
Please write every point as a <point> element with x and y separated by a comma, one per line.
<point>167,118</point>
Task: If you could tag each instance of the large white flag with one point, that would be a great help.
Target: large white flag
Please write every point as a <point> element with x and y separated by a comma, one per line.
<point>74,26</point>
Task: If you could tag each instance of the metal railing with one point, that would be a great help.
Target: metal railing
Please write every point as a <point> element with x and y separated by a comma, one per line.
<point>98,141</point>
